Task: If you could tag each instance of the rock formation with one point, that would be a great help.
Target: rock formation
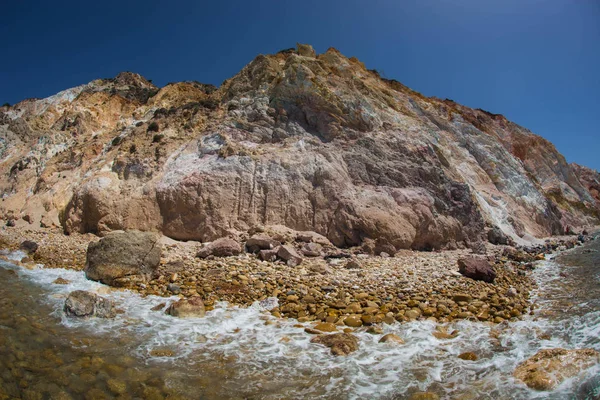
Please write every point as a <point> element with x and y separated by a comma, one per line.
<point>311,142</point>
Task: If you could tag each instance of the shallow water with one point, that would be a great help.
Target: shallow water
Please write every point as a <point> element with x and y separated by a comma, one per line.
<point>246,353</point>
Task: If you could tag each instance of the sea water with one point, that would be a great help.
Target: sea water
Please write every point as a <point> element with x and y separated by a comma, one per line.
<point>237,352</point>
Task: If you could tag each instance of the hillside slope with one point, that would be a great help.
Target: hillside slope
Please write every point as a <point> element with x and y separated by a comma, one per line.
<point>312,142</point>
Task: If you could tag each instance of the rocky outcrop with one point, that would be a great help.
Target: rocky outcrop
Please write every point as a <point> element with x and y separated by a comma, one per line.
<point>314,143</point>
<point>549,367</point>
<point>477,268</point>
<point>123,255</point>
<point>87,304</point>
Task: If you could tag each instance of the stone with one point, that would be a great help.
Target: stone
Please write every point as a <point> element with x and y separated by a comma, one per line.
<point>289,255</point>
<point>352,264</point>
<point>375,330</point>
<point>391,338</point>
<point>192,307</point>
<point>424,396</point>
<point>341,344</point>
<point>353,321</point>
<point>261,241</point>
<point>123,254</point>
<point>468,356</point>
<point>461,297</point>
<point>159,307</point>
<point>162,352</point>
<point>28,246</point>
<point>80,303</point>
<point>549,367</point>
<point>268,255</point>
<point>442,334</point>
<point>311,249</point>
<point>61,281</point>
<point>222,247</point>
<point>325,327</point>
<point>173,288</point>
<point>116,386</point>
<point>477,269</point>
<point>368,319</point>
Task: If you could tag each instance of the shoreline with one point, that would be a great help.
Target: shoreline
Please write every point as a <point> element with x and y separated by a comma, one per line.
<point>409,286</point>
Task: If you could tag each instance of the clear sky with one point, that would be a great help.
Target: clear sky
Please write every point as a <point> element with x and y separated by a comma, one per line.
<point>535,61</point>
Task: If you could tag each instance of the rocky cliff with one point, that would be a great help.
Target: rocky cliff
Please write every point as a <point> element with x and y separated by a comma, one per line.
<point>312,142</point>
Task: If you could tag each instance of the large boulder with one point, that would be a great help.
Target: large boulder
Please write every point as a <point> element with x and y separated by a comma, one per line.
<point>549,367</point>
<point>341,344</point>
<point>187,308</point>
<point>86,304</point>
<point>223,247</point>
<point>121,255</point>
<point>476,268</point>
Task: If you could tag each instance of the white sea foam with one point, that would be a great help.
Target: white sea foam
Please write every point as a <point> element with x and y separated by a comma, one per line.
<point>277,356</point>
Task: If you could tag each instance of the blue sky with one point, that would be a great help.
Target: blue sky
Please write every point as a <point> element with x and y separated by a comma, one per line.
<point>535,61</point>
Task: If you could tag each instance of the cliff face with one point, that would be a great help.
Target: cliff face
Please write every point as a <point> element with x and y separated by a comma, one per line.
<point>311,142</point>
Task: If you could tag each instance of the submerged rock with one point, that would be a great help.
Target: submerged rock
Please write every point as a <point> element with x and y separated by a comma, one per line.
<point>476,268</point>
<point>187,308</point>
<point>468,356</point>
<point>122,255</point>
<point>549,367</point>
<point>341,344</point>
<point>86,304</point>
<point>424,396</point>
